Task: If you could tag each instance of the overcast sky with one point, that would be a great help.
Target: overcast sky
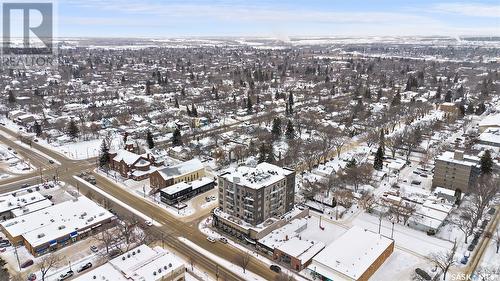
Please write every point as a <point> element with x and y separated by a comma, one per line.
<point>275,18</point>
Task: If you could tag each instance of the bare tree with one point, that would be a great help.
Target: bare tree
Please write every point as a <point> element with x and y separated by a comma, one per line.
<point>127,229</point>
<point>344,197</point>
<point>485,191</point>
<point>464,221</point>
<point>48,262</point>
<point>108,240</point>
<point>444,260</point>
<point>402,211</point>
<point>393,143</point>
<point>357,175</point>
<point>243,259</point>
<point>367,202</point>
<point>339,141</point>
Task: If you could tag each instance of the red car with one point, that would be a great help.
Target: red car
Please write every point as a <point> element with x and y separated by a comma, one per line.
<point>27,263</point>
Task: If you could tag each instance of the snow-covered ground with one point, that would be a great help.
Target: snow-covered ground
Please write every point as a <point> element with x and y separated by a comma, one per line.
<point>247,275</point>
<point>12,163</point>
<point>142,189</point>
<point>131,209</point>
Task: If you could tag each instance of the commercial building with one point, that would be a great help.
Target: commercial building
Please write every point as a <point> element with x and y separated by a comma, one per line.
<point>54,227</point>
<point>490,137</point>
<point>455,171</point>
<point>287,245</point>
<point>13,205</point>
<point>140,264</point>
<point>490,121</point>
<point>184,172</point>
<point>255,194</point>
<point>184,190</point>
<point>354,256</point>
<point>253,201</point>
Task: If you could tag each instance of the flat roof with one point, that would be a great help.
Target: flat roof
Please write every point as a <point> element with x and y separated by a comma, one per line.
<point>11,202</point>
<point>139,264</point>
<point>53,222</point>
<point>181,169</point>
<point>262,175</point>
<point>350,255</point>
<point>170,190</point>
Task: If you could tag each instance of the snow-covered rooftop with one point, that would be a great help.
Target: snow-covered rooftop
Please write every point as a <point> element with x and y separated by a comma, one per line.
<point>181,169</point>
<point>10,202</point>
<point>56,221</point>
<point>350,255</point>
<point>173,189</point>
<point>490,121</point>
<point>449,156</point>
<point>142,263</point>
<point>262,175</point>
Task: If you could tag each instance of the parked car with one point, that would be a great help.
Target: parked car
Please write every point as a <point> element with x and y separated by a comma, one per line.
<point>32,277</point>
<point>27,263</point>
<point>94,249</point>
<point>51,161</point>
<point>66,275</point>
<point>25,185</point>
<point>223,240</point>
<point>114,253</point>
<point>211,239</point>
<point>48,196</point>
<point>85,267</point>
<point>275,268</point>
<point>464,260</point>
<point>416,182</point>
<point>149,223</point>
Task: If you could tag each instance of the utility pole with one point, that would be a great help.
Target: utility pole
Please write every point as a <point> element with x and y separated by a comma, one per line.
<point>17,257</point>
<point>41,175</point>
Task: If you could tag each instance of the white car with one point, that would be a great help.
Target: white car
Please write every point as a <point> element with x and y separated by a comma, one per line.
<point>211,239</point>
<point>149,223</point>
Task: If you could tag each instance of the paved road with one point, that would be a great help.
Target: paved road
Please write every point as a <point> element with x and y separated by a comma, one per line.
<point>170,231</point>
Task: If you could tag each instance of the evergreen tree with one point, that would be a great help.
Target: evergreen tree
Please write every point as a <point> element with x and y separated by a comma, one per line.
<point>188,111</point>
<point>448,96</point>
<point>148,87</point>
<point>194,111</point>
<point>486,163</point>
<point>12,97</point>
<point>249,105</point>
<point>438,93</point>
<point>183,92</point>
<point>176,102</point>
<point>150,140</point>
<point>290,131</point>
<point>262,153</point>
<point>177,138</point>
<point>290,99</point>
<point>382,140</point>
<point>104,158</point>
<point>379,159</point>
<point>270,157</point>
<point>37,128</point>
<point>351,164</point>
<point>276,130</point>
<point>73,129</point>
<point>396,100</point>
